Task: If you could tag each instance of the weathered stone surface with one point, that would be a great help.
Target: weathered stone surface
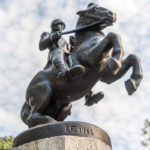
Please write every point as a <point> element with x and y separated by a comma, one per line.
<point>65,143</point>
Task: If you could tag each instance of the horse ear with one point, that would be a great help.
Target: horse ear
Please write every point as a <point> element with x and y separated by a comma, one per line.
<point>81,12</point>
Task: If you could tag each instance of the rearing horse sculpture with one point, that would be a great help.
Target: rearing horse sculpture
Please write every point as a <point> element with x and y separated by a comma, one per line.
<point>48,99</point>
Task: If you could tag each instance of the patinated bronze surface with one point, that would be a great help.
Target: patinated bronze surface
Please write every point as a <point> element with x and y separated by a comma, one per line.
<point>97,58</point>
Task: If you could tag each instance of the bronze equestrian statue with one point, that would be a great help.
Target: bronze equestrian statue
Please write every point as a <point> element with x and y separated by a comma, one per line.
<point>48,98</point>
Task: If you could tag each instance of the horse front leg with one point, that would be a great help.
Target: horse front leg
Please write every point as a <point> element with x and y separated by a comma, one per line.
<point>137,74</point>
<point>114,62</point>
<point>96,53</point>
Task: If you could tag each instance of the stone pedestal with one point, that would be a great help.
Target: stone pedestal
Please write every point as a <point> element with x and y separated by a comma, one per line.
<point>63,136</point>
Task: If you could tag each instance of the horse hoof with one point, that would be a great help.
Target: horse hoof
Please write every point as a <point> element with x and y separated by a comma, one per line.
<point>36,119</point>
<point>94,99</point>
<point>65,111</point>
<point>130,86</point>
<point>113,65</point>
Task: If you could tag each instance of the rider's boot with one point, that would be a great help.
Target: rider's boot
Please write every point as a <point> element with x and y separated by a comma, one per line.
<point>64,72</point>
<point>75,71</point>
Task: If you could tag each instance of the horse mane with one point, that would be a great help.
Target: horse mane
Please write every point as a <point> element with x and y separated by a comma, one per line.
<point>79,38</point>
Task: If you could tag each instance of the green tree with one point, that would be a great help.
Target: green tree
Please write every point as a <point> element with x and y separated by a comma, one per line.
<point>6,142</point>
<point>146,134</point>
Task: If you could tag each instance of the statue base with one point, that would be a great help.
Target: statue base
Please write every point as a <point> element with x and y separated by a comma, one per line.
<point>63,136</point>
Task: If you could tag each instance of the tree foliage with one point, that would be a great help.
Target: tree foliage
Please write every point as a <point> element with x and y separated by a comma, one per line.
<point>146,134</point>
<point>6,142</point>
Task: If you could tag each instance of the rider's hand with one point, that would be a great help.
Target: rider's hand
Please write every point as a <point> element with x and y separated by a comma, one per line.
<point>56,35</point>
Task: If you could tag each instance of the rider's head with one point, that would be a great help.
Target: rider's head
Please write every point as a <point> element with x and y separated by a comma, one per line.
<point>57,25</point>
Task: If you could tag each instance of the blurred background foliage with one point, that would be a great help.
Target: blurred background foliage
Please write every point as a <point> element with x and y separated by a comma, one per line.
<point>146,134</point>
<point>6,142</point>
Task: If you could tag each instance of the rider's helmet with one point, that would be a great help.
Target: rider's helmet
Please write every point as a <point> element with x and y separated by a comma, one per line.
<point>55,22</point>
<point>91,4</point>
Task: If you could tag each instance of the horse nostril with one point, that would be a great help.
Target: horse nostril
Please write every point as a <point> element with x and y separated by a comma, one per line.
<point>110,13</point>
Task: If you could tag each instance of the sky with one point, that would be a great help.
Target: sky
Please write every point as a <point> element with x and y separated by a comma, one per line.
<point>23,21</point>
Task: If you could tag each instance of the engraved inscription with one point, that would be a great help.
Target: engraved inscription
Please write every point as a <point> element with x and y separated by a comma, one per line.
<point>74,130</point>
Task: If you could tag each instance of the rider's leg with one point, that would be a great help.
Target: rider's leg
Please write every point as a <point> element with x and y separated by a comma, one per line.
<point>38,99</point>
<point>61,66</point>
<point>58,62</point>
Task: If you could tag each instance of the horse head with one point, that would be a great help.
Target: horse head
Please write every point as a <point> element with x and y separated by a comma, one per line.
<point>95,13</point>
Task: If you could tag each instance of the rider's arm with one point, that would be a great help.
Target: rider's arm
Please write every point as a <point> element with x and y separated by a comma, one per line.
<point>45,41</point>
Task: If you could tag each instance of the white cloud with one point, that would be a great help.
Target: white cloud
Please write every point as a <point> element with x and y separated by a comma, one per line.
<point>23,22</point>
<point>11,121</point>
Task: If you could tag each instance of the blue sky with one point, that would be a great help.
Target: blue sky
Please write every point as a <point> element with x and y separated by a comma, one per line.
<point>23,21</point>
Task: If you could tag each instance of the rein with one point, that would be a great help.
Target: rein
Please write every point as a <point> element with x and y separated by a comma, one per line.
<point>85,27</point>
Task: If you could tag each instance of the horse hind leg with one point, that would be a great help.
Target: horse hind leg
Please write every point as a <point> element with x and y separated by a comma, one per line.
<point>137,74</point>
<point>38,98</point>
